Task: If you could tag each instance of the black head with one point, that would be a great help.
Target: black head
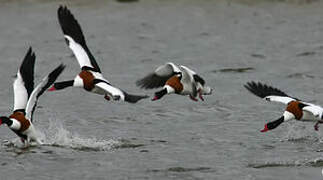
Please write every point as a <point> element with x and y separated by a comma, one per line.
<point>5,120</point>
<point>273,124</point>
<point>61,85</point>
<point>160,94</point>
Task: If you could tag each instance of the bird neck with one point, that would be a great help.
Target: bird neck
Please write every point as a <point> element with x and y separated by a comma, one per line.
<point>274,124</point>
<point>63,84</point>
<point>161,93</point>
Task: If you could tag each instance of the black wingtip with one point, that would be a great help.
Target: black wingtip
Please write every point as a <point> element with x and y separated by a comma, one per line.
<point>72,28</point>
<point>52,78</point>
<point>27,70</point>
<point>70,25</point>
<point>56,72</point>
<point>263,90</point>
<point>151,81</point>
<point>30,50</point>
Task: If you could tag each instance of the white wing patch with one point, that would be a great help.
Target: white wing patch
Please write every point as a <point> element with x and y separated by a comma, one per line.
<point>188,70</point>
<point>175,67</point>
<point>281,99</point>
<point>315,110</point>
<point>32,102</point>
<point>20,93</point>
<point>111,90</point>
<point>167,69</point>
<point>79,52</point>
<point>98,75</point>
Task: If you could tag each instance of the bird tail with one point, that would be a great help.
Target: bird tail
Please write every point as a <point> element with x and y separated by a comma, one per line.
<point>134,98</point>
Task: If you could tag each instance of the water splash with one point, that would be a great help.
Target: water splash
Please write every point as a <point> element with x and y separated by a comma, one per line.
<point>56,135</point>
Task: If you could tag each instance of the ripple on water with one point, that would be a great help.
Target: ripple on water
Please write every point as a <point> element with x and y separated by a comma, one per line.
<point>300,76</point>
<point>234,70</point>
<point>179,169</point>
<point>318,162</point>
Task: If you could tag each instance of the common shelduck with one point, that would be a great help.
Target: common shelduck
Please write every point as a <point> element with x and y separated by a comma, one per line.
<point>90,77</point>
<point>26,97</point>
<point>296,109</point>
<point>177,79</point>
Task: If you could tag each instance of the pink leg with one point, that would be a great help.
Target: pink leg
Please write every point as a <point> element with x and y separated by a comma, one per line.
<point>155,98</point>
<point>107,97</point>
<point>193,98</point>
<point>316,126</point>
<point>200,94</point>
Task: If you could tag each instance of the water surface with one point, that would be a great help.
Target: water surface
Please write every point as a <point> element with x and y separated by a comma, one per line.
<point>228,43</point>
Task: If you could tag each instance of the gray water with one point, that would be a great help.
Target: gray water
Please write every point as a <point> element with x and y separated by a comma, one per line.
<point>228,43</point>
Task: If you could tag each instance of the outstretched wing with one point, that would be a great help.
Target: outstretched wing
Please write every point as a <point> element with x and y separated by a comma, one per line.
<point>40,89</point>
<point>24,82</point>
<point>159,77</point>
<point>75,39</point>
<point>269,93</point>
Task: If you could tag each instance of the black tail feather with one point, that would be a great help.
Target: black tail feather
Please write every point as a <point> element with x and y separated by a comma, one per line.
<point>134,98</point>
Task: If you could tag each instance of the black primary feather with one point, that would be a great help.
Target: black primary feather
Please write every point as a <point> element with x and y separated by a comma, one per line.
<point>27,71</point>
<point>199,79</point>
<point>51,79</point>
<point>72,28</point>
<point>152,81</point>
<point>263,90</point>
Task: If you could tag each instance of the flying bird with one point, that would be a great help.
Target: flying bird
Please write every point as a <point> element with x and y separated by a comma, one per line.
<point>296,108</point>
<point>26,97</point>
<point>90,78</point>
<point>176,79</point>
